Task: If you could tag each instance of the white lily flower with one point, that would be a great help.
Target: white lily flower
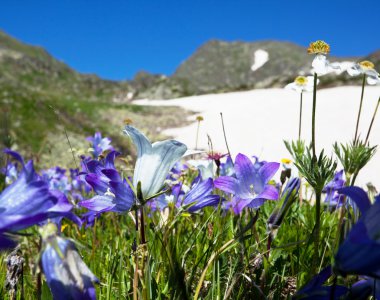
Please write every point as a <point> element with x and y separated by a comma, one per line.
<point>321,65</point>
<point>154,161</point>
<point>302,84</point>
<point>367,68</point>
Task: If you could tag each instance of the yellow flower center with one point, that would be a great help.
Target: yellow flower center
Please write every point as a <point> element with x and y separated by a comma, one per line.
<point>301,80</point>
<point>286,161</point>
<point>128,121</point>
<point>200,118</point>
<point>318,47</point>
<point>367,65</point>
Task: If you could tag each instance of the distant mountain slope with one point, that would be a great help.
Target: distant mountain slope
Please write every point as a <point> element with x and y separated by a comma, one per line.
<point>41,96</point>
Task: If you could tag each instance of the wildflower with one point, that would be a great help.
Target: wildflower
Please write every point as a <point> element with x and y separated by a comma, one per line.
<point>154,161</point>
<point>66,274</point>
<point>250,187</point>
<point>320,63</point>
<point>301,84</point>
<point>113,192</point>
<point>367,68</point>
<point>360,252</point>
<point>99,144</point>
<point>28,201</point>
<point>333,198</point>
<point>57,179</point>
<point>288,196</point>
<point>199,195</point>
<point>316,290</point>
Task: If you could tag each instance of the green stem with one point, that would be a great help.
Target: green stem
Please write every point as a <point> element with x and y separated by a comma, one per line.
<point>360,110</point>
<point>300,123</point>
<point>373,119</point>
<point>196,139</point>
<point>317,226</point>
<point>313,116</point>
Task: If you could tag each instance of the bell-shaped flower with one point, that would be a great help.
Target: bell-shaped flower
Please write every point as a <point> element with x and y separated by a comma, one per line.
<point>360,252</point>
<point>333,198</point>
<point>99,144</point>
<point>367,68</point>
<point>288,197</point>
<point>316,290</point>
<point>251,186</point>
<point>154,161</point>
<point>302,84</point>
<point>66,274</point>
<point>28,201</point>
<point>113,192</point>
<point>320,64</point>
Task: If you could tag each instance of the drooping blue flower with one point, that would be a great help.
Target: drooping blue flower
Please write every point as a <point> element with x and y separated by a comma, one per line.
<point>251,186</point>
<point>360,252</point>
<point>66,274</point>
<point>99,144</point>
<point>28,201</point>
<point>200,195</point>
<point>154,161</point>
<point>288,196</point>
<point>315,290</point>
<point>365,288</point>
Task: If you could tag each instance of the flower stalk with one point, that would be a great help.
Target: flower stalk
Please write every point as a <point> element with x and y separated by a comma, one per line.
<point>360,110</point>
<point>300,121</point>
<point>313,116</point>
<point>373,119</point>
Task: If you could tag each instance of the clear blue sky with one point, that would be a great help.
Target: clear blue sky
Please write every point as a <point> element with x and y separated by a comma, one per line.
<point>115,39</point>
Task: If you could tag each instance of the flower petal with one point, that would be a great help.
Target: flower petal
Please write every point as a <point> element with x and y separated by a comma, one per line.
<point>98,203</point>
<point>227,184</point>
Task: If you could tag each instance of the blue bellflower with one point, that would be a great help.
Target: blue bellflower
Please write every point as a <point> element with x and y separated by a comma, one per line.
<point>99,144</point>
<point>66,274</point>
<point>315,290</point>
<point>360,252</point>
<point>28,201</point>
<point>251,186</point>
<point>113,192</point>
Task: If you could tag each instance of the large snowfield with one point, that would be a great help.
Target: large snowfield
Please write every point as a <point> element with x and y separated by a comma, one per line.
<point>258,121</point>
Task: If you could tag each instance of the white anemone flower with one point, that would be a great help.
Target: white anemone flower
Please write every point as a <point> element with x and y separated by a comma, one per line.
<point>302,84</point>
<point>367,68</point>
<point>321,65</point>
<point>154,161</point>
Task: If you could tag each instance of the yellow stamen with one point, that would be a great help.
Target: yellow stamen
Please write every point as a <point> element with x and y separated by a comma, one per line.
<point>367,65</point>
<point>128,121</point>
<point>286,161</point>
<point>318,47</point>
<point>301,80</point>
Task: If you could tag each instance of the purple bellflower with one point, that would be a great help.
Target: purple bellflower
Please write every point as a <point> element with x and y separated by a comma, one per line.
<point>154,161</point>
<point>315,290</point>
<point>192,199</point>
<point>66,274</point>
<point>113,192</point>
<point>28,201</point>
<point>250,188</point>
<point>99,144</point>
<point>360,252</point>
<point>333,198</point>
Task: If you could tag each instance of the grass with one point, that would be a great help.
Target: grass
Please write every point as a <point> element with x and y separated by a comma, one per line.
<point>228,251</point>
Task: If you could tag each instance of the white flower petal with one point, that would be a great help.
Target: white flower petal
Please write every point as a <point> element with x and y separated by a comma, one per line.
<point>372,80</point>
<point>355,70</point>
<point>320,64</point>
<point>153,161</point>
<point>371,73</point>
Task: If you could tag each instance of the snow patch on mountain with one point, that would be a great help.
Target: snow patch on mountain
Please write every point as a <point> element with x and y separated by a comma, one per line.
<point>260,58</point>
